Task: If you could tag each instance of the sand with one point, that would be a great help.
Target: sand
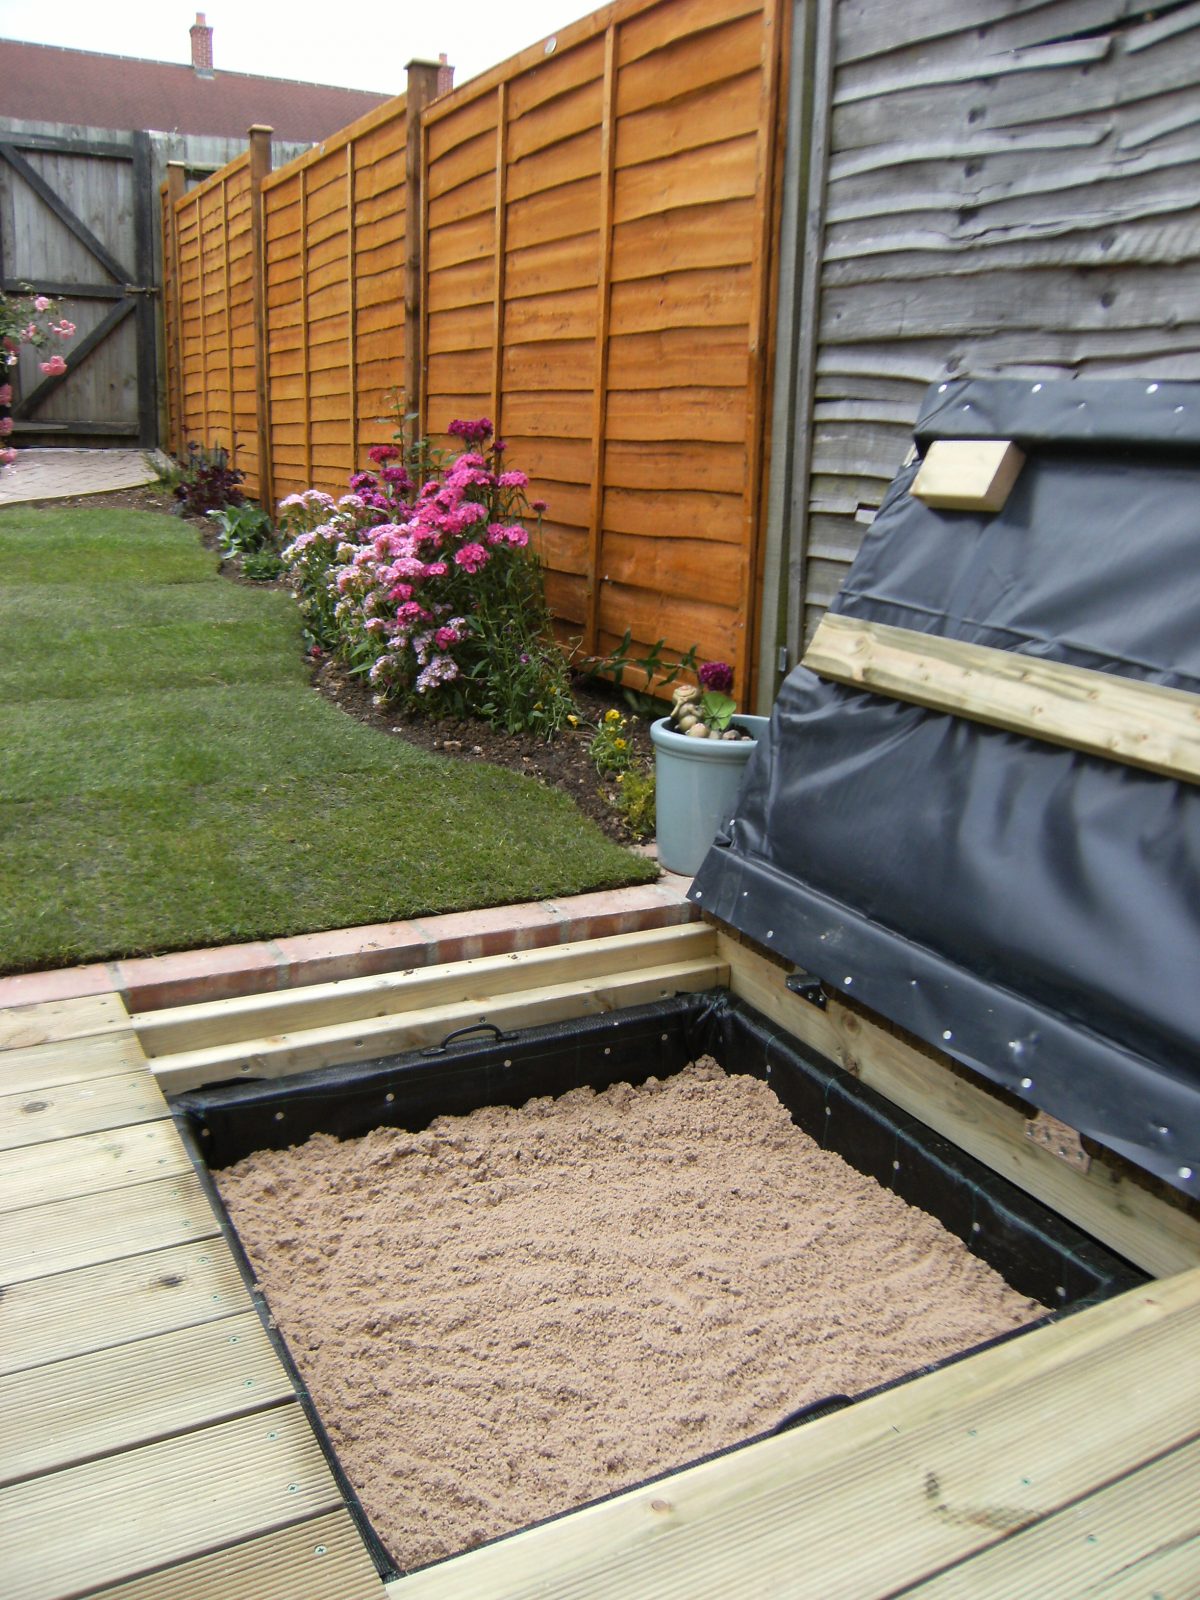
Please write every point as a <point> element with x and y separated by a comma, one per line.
<point>514,1312</point>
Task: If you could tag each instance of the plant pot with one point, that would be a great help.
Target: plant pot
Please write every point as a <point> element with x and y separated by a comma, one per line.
<point>696,785</point>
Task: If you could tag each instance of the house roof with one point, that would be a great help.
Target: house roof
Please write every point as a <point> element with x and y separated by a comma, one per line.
<point>46,83</point>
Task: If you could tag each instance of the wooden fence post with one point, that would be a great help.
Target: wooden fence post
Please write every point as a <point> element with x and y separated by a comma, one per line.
<point>260,165</point>
<point>422,88</point>
<point>172,304</point>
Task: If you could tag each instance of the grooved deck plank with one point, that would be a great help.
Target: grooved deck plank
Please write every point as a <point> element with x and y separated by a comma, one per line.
<point>110,1400</point>
<point>88,1229</point>
<point>68,1110</point>
<point>321,1559</point>
<point>1135,1538</point>
<point>137,1297</point>
<point>49,1020</point>
<point>74,1531</point>
<point>39,1174</point>
<point>44,1066</point>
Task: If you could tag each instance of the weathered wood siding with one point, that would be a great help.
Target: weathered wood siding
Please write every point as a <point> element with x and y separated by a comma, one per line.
<point>598,220</point>
<point>211,361</point>
<point>335,231</point>
<point>1011,188</point>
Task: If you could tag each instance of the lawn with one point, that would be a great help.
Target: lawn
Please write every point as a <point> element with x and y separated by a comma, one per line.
<point>169,778</point>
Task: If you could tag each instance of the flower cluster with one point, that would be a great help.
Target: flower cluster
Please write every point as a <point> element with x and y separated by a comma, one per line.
<point>431,590</point>
<point>25,320</point>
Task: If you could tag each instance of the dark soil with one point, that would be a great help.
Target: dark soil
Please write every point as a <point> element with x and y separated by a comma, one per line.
<point>562,764</point>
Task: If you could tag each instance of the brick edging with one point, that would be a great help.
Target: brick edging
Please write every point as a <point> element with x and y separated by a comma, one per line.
<point>223,972</point>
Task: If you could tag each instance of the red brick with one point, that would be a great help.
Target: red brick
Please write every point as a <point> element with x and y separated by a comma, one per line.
<point>187,977</point>
<point>351,953</point>
<point>62,983</point>
<point>613,911</point>
<point>466,935</point>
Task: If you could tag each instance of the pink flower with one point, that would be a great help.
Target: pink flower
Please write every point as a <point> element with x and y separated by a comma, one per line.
<point>64,329</point>
<point>7,456</point>
<point>539,506</point>
<point>29,331</point>
<point>513,480</point>
<point>54,366</point>
<point>445,638</point>
<point>471,558</point>
<point>517,536</point>
<point>5,394</point>
<point>436,569</point>
<point>379,453</point>
<point>42,304</point>
<point>6,426</point>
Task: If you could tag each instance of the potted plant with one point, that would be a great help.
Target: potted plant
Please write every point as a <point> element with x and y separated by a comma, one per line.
<point>701,750</point>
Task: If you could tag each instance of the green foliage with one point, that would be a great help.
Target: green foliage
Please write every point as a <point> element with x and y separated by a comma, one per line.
<point>610,748</point>
<point>635,799</point>
<point>242,529</point>
<point>262,566</point>
<point>654,666</point>
<point>717,710</point>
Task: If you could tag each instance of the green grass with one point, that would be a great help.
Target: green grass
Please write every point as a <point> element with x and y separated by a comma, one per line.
<point>168,778</point>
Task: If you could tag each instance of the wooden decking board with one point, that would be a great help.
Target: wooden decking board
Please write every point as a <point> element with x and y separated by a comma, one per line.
<point>137,1297</point>
<point>44,1066</point>
<point>93,1405</point>
<point>46,1021</point>
<point>88,1229</point>
<point>321,1559</point>
<point>66,1110</point>
<point>1127,1541</point>
<point>876,1498</point>
<point>39,1174</point>
<point>74,1531</point>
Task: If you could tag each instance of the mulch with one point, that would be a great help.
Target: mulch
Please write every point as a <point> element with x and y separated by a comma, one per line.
<point>562,764</point>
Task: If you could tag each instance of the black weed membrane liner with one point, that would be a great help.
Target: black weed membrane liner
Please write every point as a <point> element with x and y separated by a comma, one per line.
<point>1037,1253</point>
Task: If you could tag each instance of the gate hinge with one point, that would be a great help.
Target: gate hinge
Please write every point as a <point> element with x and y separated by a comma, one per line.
<point>137,288</point>
<point>1061,1140</point>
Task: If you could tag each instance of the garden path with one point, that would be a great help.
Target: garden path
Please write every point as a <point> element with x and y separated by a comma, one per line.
<point>56,474</point>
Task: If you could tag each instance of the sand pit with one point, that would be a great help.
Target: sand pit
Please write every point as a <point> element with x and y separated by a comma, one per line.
<point>516,1311</point>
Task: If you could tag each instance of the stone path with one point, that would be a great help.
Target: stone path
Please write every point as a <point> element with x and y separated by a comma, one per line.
<point>57,474</point>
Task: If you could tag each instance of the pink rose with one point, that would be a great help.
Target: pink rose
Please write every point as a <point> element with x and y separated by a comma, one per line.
<point>5,394</point>
<point>54,366</point>
<point>6,426</point>
<point>42,303</point>
<point>7,457</point>
<point>64,329</point>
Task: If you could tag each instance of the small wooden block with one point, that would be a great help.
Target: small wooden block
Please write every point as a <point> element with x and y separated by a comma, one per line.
<point>968,474</point>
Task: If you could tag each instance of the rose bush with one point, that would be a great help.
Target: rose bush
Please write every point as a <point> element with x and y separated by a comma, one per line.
<point>26,320</point>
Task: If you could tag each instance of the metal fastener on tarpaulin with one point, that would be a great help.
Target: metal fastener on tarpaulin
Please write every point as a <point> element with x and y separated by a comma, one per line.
<point>808,988</point>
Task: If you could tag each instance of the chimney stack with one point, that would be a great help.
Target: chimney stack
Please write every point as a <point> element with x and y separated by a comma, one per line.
<point>445,78</point>
<point>202,62</point>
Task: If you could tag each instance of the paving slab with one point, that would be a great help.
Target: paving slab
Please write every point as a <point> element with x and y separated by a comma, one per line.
<point>59,474</point>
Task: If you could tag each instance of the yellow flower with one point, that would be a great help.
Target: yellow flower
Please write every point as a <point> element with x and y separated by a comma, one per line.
<point>573,720</point>
<point>618,744</point>
<point>612,716</point>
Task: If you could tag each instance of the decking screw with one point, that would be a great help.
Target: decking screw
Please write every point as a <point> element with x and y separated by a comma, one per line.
<point>293,1488</point>
<point>249,1384</point>
<point>319,1550</point>
<point>272,1435</point>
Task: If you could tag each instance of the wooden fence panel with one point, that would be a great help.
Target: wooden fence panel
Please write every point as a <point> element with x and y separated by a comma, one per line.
<point>598,225</point>
<point>210,352</point>
<point>335,244</point>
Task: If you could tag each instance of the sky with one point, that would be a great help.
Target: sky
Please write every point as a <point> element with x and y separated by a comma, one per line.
<point>359,44</point>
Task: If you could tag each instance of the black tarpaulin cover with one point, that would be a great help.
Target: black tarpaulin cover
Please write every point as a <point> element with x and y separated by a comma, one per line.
<point>1032,911</point>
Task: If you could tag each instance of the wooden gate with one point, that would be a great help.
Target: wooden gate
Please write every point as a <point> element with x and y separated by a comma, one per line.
<point>77,224</point>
